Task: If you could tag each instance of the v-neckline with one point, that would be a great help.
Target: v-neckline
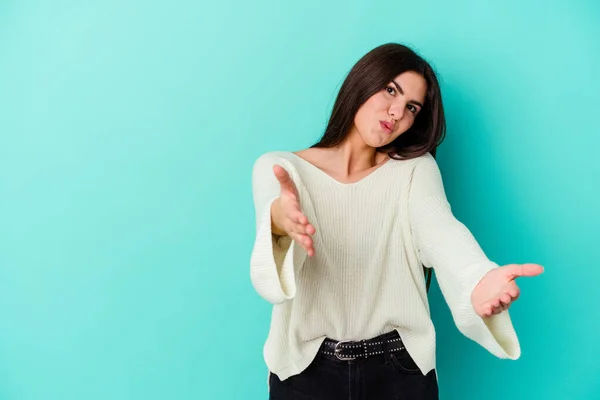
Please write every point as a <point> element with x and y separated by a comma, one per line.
<point>364,178</point>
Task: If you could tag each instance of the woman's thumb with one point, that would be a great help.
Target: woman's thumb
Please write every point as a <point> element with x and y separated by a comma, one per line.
<point>281,174</point>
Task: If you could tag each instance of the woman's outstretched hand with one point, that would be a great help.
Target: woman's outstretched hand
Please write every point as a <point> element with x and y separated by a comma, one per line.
<point>286,214</point>
<point>498,289</point>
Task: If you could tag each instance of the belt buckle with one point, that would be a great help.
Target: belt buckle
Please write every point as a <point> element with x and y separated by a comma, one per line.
<point>336,351</point>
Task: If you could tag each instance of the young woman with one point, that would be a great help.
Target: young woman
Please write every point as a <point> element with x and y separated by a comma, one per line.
<point>344,229</point>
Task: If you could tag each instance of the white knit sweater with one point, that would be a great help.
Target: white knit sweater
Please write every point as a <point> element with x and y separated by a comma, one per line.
<point>366,277</point>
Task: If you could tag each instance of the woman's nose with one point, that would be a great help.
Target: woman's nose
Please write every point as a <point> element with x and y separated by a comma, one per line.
<point>397,111</point>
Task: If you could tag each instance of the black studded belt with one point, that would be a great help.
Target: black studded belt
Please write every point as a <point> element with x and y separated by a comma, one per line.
<point>347,350</point>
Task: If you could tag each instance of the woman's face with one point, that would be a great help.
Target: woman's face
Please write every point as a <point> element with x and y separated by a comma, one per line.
<point>396,106</point>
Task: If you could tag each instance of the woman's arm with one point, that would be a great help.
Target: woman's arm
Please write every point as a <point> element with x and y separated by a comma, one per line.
<point>276,256</point>
<point>445,244</point>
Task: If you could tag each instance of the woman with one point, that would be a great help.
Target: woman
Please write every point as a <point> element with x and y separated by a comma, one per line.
<point>343,230</point>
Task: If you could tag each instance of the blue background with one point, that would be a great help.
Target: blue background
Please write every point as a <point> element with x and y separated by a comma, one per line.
<point>128,131</point>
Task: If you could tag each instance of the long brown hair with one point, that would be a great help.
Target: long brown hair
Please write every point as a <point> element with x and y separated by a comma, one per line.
<point>369,75</point>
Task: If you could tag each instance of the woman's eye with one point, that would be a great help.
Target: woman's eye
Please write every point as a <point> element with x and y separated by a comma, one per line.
<point>412,108</point>
<point>390,90</point>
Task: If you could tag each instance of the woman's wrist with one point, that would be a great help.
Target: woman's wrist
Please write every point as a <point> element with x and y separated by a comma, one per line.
<point>276,230</point>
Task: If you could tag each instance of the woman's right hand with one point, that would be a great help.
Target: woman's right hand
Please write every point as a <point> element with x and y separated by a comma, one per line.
<point>287,215</point>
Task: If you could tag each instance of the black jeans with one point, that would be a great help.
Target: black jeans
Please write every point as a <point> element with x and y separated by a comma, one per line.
<point>392,376</point>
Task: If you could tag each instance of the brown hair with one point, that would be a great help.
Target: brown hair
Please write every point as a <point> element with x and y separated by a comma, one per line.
<point>369,75</point>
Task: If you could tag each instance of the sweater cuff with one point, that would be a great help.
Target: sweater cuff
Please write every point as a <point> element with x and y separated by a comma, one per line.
<point>495,333</point>
<point>272,262</point>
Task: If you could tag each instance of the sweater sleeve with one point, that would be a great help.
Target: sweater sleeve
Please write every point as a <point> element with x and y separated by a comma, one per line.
<point>445,244</point>
<point>273,262</point>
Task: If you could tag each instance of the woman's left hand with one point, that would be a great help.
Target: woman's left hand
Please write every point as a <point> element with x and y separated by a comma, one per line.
<point>497,289</point>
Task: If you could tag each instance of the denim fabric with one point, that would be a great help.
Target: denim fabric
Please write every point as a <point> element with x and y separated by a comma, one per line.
<point>391,376</point>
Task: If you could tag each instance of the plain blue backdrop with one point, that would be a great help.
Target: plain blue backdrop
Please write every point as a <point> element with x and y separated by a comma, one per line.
<point>128,131</point>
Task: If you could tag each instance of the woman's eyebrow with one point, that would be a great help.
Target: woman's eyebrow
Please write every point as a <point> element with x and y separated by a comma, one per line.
<point>402,92</point>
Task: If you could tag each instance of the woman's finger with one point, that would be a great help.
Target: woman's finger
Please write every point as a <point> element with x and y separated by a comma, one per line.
<point>305,241</point>
<point>281,174</point>
<point>488,311</point>
<point>298,238</point>
<point>518,270</point>
<point>298,218</point>
<point>291,210</point>
<point>506,299</point>
<point>300,229</point>
<point>285,181</point>
<point>301,223</point>
<point>308,246</point>
<point>302,219</point>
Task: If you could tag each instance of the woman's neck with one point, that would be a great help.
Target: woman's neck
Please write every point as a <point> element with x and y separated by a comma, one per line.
<point>354,156</point>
